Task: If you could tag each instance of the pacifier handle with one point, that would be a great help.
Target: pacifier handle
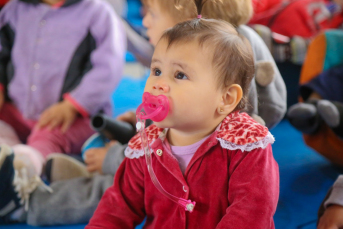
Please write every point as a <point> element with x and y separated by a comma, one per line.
<point>159,113</point>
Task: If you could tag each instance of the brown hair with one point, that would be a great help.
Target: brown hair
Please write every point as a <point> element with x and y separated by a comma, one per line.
<point>236,12</point>
<point>232,55</point>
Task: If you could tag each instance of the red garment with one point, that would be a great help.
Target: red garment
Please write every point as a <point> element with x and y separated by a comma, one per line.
<point>44,140</point>
<point>3,2</point>
<point>232,188</point>
<point>305,18</point>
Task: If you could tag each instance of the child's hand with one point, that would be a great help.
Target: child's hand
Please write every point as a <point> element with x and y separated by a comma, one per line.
<point>94,157</point>
<point>129,117</point>
<point>332,218</point>
<point>61,114</point>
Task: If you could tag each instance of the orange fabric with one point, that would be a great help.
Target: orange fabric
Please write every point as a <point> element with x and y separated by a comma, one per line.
<point>314,61</point>
<point>326,143</point>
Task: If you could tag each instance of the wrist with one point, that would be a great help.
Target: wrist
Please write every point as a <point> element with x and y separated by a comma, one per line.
<point>70,106</point>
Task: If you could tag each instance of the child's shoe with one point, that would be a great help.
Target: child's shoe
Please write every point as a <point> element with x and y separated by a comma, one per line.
<point>18,179</point>
<point>304,117</point>
<point>63,167</point>
<point>332,114</point>
<point>9,201</point>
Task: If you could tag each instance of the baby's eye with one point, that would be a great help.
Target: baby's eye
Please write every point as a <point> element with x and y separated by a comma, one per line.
<point>157,72</point>
<point>180,76</point>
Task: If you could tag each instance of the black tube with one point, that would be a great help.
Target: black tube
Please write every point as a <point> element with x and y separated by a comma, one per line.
<point>113,129</point>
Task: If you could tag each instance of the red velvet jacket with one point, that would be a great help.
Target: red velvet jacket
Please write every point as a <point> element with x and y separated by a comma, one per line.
<point>232,177</point>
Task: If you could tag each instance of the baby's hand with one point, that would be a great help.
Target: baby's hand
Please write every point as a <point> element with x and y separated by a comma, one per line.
<point>94,157</point>
<point>332,218</point>
<point>129,117</point>
<point>61,114</point>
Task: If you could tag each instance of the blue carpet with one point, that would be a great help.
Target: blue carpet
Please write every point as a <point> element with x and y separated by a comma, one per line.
<point>305,177</point>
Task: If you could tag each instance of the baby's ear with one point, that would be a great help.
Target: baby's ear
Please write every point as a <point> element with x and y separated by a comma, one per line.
<point>230,99</point>
<point>264,73</point>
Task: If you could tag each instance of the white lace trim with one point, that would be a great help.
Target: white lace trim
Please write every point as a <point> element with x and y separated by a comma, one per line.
<point>130,153</point>
<point>269,139</point>
<point>25,185</point>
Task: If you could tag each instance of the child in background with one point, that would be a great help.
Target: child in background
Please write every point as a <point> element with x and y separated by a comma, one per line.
<point>205,150</point>
<point>60,62</point>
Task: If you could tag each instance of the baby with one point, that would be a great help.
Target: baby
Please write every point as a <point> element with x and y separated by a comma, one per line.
<point>205,150</point>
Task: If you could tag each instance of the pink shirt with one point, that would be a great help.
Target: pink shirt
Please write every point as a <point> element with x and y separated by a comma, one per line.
<point>184,154</point>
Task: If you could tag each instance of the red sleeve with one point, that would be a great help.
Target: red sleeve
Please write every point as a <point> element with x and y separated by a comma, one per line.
<point>253,190</point>
<point>122,205</point>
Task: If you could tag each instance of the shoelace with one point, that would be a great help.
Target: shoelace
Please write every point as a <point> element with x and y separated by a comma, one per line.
<point>25,185</point>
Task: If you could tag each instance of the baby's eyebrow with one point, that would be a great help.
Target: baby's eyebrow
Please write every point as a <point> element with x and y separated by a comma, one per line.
<point>183,66</point>
<point>154,60</point>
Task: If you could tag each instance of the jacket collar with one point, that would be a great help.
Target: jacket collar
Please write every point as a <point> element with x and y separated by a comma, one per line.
<point>236,131</point>
<point>65,4</point>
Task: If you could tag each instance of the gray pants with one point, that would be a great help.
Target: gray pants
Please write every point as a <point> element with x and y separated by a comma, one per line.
<point>72,202</point>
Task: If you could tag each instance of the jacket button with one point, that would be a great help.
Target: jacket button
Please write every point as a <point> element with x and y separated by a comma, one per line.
<point>184,189</point>
<point>159,152</point>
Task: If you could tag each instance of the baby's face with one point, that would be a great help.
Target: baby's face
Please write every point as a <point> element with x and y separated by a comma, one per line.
<point>156,21</point>
<point>184,74</point>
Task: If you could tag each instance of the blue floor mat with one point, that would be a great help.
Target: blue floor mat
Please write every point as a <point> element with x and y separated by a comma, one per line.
<point>305,177</point>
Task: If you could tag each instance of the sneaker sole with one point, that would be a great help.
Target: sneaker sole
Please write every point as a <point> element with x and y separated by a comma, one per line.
<point>64,167</point>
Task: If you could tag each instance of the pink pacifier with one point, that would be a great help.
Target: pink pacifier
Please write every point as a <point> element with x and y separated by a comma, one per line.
<point>156,108</point>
